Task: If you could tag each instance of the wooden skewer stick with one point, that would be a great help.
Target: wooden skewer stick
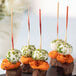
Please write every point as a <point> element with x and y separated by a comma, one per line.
<point>66,24</point>
<point>28,29</point>
<point>12,28</point>
<point>40,28</point>
<point>57,19</point>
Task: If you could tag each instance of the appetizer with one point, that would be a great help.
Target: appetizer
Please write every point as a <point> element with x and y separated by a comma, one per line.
<point>26,58</point>
<point>39,63</point>
<point>11,63</point>
<point>39,56</point>
<point>27,53</point>
<point>61,54</point>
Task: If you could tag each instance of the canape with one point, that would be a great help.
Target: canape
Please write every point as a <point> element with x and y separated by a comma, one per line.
<point>26,58</point>
<point>11,63</point>
<point>39,63</point>
<point>61,56</point>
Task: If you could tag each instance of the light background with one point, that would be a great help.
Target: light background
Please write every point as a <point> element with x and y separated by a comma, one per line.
<point>49,23</point>
<point>49,7</point>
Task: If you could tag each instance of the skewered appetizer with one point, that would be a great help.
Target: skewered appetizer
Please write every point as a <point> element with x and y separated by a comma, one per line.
<point>27,53</point>
<point>39,63</point>
<point>11,63</point>
<point>61,55</point>
<point>26,58</point>
<point>40,56</point>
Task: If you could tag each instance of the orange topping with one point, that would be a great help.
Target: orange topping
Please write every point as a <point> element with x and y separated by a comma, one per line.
<point>61,58</point>
<point>65,58</point>
<point>42,65</point>
<point>6,65</point>
<point>69,59</point>
<point>53,54</point>
<point>26,60</point>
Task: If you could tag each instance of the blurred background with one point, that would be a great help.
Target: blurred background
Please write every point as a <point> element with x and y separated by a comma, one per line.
<point>49,23</point>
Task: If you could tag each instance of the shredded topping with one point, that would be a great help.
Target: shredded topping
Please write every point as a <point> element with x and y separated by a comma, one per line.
<point>40,54</point>
<point>27,50</point>
<point>61,46</point>
<point>13,56</point>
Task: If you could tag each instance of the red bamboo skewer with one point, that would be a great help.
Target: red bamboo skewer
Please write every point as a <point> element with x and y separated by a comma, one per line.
<point>66,24</point>
<point>40,28</point>
<point>57,19</point>
<point>28,29</point>
<point>12,29</point>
